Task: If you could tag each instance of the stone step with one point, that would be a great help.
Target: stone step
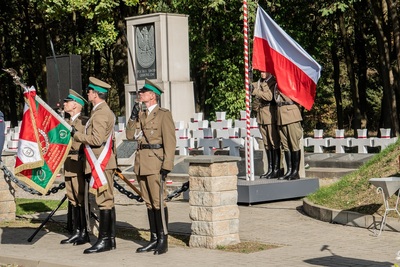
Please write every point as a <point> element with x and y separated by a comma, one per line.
<point>336,160</point>
<point>321,172</point>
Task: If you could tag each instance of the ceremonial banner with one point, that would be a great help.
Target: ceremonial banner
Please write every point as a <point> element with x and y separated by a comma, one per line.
<point>274,51</point>
<point>44,143</point>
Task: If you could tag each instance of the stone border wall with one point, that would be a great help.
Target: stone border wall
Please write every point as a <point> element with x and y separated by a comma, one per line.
<point>7,192</point>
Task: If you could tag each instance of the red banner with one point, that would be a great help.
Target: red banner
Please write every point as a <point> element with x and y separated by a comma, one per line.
<point>44,144</point>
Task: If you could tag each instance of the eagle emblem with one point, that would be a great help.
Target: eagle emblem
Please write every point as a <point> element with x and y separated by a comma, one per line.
<point>145,46</point>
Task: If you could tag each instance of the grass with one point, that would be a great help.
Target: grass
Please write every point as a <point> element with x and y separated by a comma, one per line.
<point>32,206</point>
<point>247,247</point>
<point>353,192</point>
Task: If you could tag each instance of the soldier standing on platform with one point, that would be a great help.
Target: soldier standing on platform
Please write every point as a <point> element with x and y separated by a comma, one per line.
<point>101,161</point>
<point>291,132</point>
<point>74,167</point>
<point>155,133</point>
<point>263,93</point>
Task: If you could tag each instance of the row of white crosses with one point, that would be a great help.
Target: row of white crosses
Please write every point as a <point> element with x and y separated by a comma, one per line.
<point>221,135</point>
<point>11,136</point>
<point>362,142</point>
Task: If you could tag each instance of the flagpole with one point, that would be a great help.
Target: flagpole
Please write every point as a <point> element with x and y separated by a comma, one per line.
<point>249,160</point>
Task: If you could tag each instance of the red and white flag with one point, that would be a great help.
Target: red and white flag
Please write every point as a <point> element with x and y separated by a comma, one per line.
<point>44,143</point>
<point>274,51</point>
<point>29,147</point>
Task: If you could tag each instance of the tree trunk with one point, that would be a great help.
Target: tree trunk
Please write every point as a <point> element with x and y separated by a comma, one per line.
<point>396,38</point>
<point>337,88</point>
<point>384,60</point>
<point>360,11</point>
<point>350,72</point>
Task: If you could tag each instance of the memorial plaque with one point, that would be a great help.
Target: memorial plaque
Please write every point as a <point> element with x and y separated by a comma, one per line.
<point>145,48</point>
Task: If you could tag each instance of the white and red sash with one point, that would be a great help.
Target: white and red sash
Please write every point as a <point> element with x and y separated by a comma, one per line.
<point>98,179</point>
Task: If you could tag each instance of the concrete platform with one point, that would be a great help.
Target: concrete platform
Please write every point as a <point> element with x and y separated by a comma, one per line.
<point>322,165</point>
<point>263,190</point>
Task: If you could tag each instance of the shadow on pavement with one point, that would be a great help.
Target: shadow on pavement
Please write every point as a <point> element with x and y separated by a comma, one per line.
<point>336,260</point>
<point>19,236</point>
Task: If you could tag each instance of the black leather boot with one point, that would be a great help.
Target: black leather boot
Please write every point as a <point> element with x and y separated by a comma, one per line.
<point>77,227</point>
<point>288,161</point>
<point>162,237</point>
<point>112,228</point>
<point>295,165</point>
<point>151,246</point>
<point>103,242</point>
<point>84,236</point>
<point>267,175</point>
<point>276,167</point>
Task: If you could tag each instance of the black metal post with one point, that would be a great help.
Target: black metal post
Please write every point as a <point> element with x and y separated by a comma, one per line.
<point>47,219</point>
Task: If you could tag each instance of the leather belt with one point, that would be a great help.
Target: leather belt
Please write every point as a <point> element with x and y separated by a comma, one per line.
<point>267,104</point>
<point>98,146</point>
<point>150,146</point>
<point>280,104</point>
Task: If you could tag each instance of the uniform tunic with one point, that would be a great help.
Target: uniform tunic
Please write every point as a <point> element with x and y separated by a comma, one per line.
<point>157,128</point>
<point>98,128</point>
<point>267,112</point>
<point>74,166</point>
<point>289,122</point>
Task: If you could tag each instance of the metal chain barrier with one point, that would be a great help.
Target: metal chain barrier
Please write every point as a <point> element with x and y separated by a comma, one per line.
<point>127,193</point>
<point>26,188</point>
<point>61,186</point>
<point>177,192</point>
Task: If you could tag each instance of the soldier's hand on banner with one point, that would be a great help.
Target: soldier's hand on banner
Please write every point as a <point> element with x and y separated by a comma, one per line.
<point>164,172</point>
<point>135,111</point>
<point>73,131</point>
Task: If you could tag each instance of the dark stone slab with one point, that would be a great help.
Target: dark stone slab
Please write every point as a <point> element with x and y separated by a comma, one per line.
<point>126,149</point>
<point>263,190</point>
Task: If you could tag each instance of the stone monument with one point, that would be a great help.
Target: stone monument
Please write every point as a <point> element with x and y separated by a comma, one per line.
<point>159,45</point>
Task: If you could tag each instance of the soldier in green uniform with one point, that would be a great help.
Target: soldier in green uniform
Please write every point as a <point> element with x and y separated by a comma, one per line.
<point>291,132</point>
<point>155,132</point>
<point>74,167</point>
<point>263,94</point>
<point>101,162</point>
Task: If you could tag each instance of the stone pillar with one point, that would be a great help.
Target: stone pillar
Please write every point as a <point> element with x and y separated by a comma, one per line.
<point>213,201</point>
<point>7,192</point>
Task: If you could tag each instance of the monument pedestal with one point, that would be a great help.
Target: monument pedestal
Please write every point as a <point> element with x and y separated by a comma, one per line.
<point>213,201</point>
<point>160,52</point>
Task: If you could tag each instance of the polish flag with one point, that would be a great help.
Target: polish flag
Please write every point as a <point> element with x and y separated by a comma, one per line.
<point>274,51</point>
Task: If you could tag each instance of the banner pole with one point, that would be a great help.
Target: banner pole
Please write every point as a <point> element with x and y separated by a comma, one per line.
<point>249,173</point>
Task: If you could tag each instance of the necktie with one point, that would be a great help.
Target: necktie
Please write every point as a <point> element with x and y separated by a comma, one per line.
<point>276,94</point>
